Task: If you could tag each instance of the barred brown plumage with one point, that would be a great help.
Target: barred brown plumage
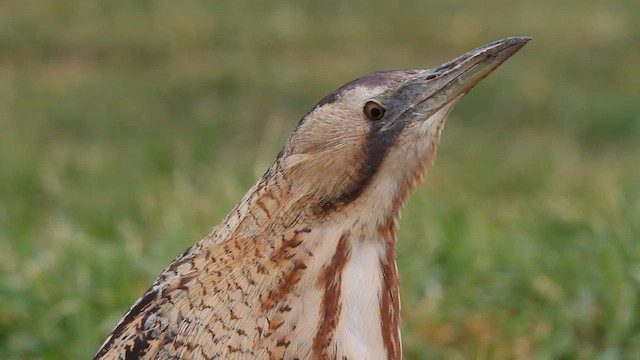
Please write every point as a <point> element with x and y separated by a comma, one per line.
<point>304,267</point>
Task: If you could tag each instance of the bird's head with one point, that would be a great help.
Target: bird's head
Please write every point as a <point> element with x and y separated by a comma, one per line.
<point>369,142</point>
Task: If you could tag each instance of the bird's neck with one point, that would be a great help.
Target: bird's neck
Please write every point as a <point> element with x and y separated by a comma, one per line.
<point>346,289</point>
<point>358,283</point>
<point>369,326</point>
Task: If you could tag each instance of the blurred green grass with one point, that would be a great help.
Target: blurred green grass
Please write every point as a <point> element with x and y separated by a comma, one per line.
<point>129,129</point>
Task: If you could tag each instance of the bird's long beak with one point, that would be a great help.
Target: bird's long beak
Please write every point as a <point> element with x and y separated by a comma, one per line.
<point>430,90</point>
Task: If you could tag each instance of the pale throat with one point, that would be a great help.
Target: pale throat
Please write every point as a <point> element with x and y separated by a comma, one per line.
<point>364,313</point>
<point>367,304</point>
<point>360,327</point>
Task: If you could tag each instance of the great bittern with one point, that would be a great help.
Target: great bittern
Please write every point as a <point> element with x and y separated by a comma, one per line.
<point>304,267</point>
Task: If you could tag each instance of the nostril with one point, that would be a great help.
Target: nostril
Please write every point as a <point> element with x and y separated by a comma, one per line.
<point>432,76</point>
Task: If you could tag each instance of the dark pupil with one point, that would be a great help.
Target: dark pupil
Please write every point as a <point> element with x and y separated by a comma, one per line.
<point>376,112</point>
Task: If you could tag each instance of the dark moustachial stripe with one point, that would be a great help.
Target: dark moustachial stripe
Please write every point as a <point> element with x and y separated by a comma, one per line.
<point>376,149</point>
<point>377,144</point>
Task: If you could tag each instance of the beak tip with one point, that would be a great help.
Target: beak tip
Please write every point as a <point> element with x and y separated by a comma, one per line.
<point>517,41</point>
<point>520,38</point>
<point>457,77</point>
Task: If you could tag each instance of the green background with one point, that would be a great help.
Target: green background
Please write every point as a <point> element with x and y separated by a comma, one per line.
<point>129,128</point>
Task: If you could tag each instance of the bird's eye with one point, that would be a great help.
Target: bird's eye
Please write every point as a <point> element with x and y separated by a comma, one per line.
<point>373,110</point>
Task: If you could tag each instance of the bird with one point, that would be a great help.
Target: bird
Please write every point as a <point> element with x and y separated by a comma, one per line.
<point>304,266</point>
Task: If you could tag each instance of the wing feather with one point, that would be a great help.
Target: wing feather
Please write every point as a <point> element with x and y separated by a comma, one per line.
<point>210,303</point>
